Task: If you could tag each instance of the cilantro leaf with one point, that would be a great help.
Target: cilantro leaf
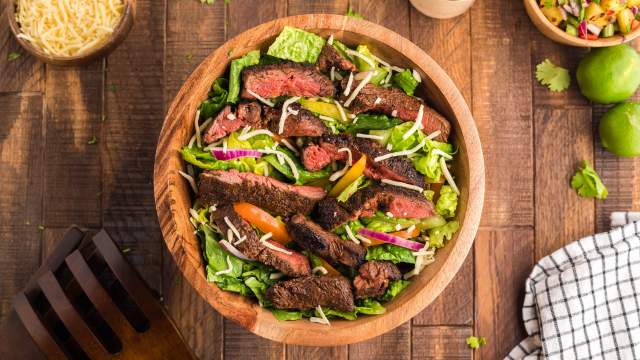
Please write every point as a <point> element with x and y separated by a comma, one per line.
<point>13,56</point>
<point>588,183</point>
<point>475,342</point>
<point>554,77</point>
<point>354,14</point>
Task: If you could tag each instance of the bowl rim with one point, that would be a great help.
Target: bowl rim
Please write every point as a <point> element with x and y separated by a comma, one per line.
<point>119,34</point>
<point>168,186</point>
<point>533,9</point>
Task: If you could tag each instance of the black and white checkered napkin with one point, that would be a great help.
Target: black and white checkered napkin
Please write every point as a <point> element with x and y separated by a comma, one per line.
<point>583,301</point>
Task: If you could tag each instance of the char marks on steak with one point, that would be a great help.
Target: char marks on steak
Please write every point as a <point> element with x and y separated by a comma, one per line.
<point>317,156</point>
<point>220,187</point>
<point>285,79</point>
<point>406,107</point>
<point>301,123</point>
<point>374,277</point>
<point>293,264</point>
<point>330,57</point>
<point>310,236</point>
<point>310,291</point>
<point>401,203</point>
<point>247,114</point>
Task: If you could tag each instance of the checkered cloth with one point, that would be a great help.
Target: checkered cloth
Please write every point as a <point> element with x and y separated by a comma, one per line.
<point>583,301</point>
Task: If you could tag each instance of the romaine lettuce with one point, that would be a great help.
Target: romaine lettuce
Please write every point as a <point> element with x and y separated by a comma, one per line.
<point>304,177</point>
<point>405,81</point>
<point>397,133</point>
<point>369,306</point>
<point>373,122</point>
<point>285,315</point>
<point>388,252</point>
<point>447,202</point>
<point>383,223</point>
<point>297,45</point>
<point>216,100</point>
<point>439,235</point>
<point>395,287</point>
<point>360,183</point>
<point>362,65</point>
<point>237,65</point>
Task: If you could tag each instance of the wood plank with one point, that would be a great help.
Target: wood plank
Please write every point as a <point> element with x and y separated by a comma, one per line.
<point>72,163</point>
<point>502,109</point>
<point>556,201</point>
<point>317,353</point>
<point>21,177</point>
<point>441,342</point>
<point>395,344</point>
<point>393,14</point>
<point>299,7</point>
<point>241,344</point>
<point>22,74</point>
<point>134,108</point>
<point>243,15</point>
<point>504,259</point>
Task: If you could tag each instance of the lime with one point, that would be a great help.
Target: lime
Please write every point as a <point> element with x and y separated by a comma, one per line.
<point>620,129</point>
<point>609,75</point>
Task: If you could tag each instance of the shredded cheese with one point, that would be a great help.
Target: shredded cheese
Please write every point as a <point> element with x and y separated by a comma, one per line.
<point>290,146</point>
<point>336,175</point>
<point>389,147</point>
<point>322,319</point>
<point>330,40</point>
<point>403,185</point>
<point>434,135</point>
<point>224,146</point>
<point>231,116</point>
<point>233,229</point>
<point>350,234</point>
<point>366,59</point>
<point>389,214</point>
<point>411,228</point>
<point>285,113</point>
<point>253,133</point>
<point>285,157</point>
<point>190,179</point>
<point>394,113</point>
<point>264,242</point>
<point>229,269</point>
<point>401,153</point>
<point>442,153</point>
<point>416,75</point>
<point>332,73</point>
<point>338,76</point>
<point>319,270</point>
<point>196,124</point>
<point>343,115</point>
<point>68,28</point>
<point>360,86</point>
<point>369,136</point>
<point>378,101</point>
<point>363,239</point>
<point>347,89</point>
<point>230,236</point>
<point>192,141</point>
<point>447,175</point>
<point>260,98</point>
<point>387,80</point>
<point>417,125</point>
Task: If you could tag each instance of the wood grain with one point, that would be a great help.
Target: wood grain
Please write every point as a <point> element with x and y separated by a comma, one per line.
<point>241,344</point>
<point>299,7</point>
<point>396,344</point>
<point>21,195</point>
<point>393,14</point>
<point>440,342</point>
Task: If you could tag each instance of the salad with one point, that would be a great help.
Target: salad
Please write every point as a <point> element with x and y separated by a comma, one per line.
<point>321,182</point>
<point>592,19</point>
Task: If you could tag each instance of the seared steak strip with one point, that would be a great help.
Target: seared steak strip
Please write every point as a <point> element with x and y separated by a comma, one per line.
<point>405,107</point>
<point>291,263</point>
<point>302,123</point>
<point>288,79</point>
<point>220,187</point>
<point>330,215</point>
<point>374,277</point>
<point>330,57</point>
<point>310,236</point>
<point>317,156</point>
<point>310,291</point>
<point>227,122</point>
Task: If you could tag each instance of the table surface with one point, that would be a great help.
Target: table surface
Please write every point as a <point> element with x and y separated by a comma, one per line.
<point>53,176</point>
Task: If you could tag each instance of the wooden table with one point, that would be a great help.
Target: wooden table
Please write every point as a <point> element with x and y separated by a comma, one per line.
<point>52,175</point>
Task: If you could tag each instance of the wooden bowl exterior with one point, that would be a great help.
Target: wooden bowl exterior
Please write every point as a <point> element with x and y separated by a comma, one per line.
<point>119,34</point>
<point>173,199</point>
<point>558,35</point>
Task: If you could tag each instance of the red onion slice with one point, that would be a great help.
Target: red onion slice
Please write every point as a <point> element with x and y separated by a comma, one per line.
<point>231,154</point>
<point>391,239</point>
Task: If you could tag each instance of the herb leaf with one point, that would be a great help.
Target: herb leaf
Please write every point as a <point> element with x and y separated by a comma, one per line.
<point>552,76</point>
<point>475,342</point>
<point>588,183</point>
<point>13,56</point>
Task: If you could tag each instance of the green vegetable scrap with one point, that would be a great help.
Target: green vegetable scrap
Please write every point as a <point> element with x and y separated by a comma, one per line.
<point>588,183</point>
<point>216,100</point>
<point>552,76</point>
<point>475,342</point>
<point>13,56</point>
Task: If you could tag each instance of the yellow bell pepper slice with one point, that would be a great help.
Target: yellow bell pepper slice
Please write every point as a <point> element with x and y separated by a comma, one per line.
<point>323,108</point>
<point>350,176</point>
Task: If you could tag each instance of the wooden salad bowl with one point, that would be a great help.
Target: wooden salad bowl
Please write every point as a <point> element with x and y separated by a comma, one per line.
<point>173,199</point>
<point>119,34</point>
<point>558,35</point>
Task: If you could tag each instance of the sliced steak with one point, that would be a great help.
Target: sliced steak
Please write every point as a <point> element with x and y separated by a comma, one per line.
<point>310,236</point>
<point>227,122</point>
<point>219,187</point>
<point>302,123</point>
<point>330,57</point>
<point>374,277</point>
<point>406,108</point>
<point>310,291</point>
<point>330,215</point>
<point>317,156</point>
<point>289,262</point>
<point>286,79</point>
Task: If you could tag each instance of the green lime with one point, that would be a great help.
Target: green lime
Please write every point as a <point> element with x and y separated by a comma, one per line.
<point>620,129</point>
<point>609,75</point>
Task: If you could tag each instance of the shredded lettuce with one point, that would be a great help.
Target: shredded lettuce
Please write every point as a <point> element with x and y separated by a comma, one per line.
<point>360,183</point>
<point>395,288</point>
<point>297,45</point>
<point>439,235</point>
<point>216,100</point>
<point>388,252</point>
<point>405,81</point>
<point>237,65</point>
<point>447,202</point>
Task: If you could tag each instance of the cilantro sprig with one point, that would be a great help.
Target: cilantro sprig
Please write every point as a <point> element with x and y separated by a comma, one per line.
<point>554,77</point>
<point>475,342</point>
<point>588,184</point>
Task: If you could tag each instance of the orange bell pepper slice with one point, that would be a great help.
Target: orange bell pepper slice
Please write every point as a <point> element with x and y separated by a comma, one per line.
<point>350,176</point>
<point>406,234</point>
<point>263,221</point>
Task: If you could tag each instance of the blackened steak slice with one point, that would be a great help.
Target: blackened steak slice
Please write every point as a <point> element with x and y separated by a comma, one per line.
<point>374,277</point>
<point>219,187</point>
<point>310,291</point>
<point>291,263</point>
<point>288,79</point>
<point>406,108</point>
<point>310,236</point>
<point>330,57</point>
<point>317,156</point>
<point>330,215</point>
<point>302,123</point>
<point>227,122</point>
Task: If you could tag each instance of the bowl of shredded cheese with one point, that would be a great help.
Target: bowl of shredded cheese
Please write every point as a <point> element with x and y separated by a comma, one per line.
<point>71,32</point>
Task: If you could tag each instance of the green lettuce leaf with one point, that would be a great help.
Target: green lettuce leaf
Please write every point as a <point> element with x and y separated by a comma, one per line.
<point>388,252</point>
<point>405,81</point>
<point>204,160</point>
<point>447,202</point>
<point>429,164</point>
<point>237,65</point>
<point>297,45</point>
<point>439,235</point>
<point>395,287</point>
<point>304,177</point>
<point>217,99</point>
<point>588,183</point>
<point>257,287</point>
<point>383,223</point>
<point>369,306</point>
<point>228,283</point>
<point>360,183</point>
<point>342,49</point>
<point>373,122</point>
<point>354,225</point>
<point>333,313</point>
<point>396,139</point>
<point>216,255</point>
<point>362,65</point>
